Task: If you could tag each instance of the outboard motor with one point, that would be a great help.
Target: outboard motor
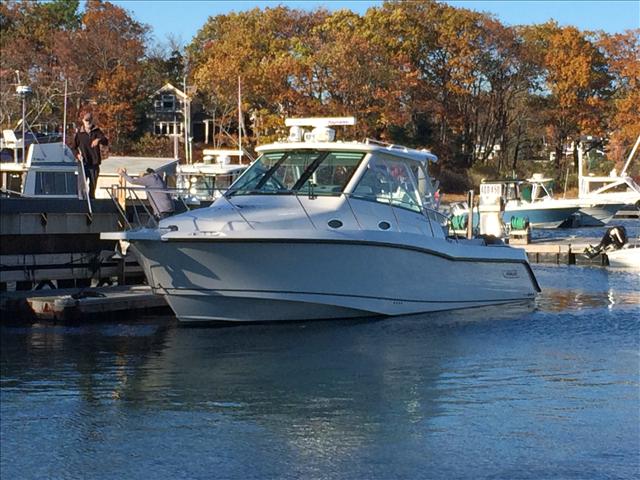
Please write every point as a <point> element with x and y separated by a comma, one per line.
<point>614,239</point>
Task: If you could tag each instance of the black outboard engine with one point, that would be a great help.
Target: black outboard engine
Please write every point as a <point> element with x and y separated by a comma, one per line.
<point>613,239</point>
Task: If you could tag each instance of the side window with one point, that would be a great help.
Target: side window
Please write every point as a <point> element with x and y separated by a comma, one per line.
<point>55,183</point>
<point>390,181</point>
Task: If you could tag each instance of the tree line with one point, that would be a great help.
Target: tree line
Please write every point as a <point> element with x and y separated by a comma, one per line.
<point>424,74</point>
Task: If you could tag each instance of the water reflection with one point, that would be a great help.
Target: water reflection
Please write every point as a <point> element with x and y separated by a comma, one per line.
<point>326,388</point>
<point>527,384</point>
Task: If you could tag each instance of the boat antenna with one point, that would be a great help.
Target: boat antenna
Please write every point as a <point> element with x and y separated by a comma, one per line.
<point>186,124</point>
<point>64,117</point>
<point>23,91</point>
<point>239,114</point>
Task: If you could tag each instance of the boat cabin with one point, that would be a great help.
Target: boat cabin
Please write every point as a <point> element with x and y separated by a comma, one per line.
<point>313,164</point>
<point>50,170</point>
<point>534,189</point>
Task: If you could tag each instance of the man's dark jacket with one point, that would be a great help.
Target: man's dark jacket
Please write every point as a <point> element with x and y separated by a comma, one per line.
<point>82,143</point>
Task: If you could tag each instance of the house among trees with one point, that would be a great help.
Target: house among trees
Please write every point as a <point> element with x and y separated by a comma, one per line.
<point>170,105</point>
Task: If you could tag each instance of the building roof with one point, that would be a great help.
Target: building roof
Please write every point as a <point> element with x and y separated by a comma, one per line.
<point>168,87</point>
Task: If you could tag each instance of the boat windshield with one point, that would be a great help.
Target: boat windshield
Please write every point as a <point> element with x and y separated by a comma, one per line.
<point>317,172</point>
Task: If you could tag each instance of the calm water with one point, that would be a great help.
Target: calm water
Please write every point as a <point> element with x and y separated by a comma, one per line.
<point>550,393</point>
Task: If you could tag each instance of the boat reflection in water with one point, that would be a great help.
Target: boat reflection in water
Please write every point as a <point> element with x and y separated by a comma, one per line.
<point>321,229</point>
<point>393,398</point>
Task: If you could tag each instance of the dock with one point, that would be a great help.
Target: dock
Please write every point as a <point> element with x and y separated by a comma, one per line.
<point>567,251</point>
<point>627,214</point>
<point>81,304</point>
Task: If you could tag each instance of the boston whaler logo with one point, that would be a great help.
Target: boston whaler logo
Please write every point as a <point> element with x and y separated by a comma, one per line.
<point>510,274</point>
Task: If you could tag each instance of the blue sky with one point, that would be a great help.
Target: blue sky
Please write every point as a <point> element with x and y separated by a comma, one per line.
<point>184,18</point>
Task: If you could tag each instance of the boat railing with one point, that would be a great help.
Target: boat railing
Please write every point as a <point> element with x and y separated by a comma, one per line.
<point>135,211</point>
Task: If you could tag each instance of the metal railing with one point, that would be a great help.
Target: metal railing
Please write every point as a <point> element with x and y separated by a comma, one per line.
<point>127,198</point>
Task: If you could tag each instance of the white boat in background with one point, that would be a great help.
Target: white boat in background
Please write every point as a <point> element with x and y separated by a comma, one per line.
<point>531,199</point>
<point>207,180</point>
<point>613,188</point>
<point>320,229</point>
<point>50,171</point>
<point>591,212</point>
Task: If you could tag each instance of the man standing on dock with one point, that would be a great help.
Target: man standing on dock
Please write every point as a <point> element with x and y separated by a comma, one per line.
<point>86,145</point>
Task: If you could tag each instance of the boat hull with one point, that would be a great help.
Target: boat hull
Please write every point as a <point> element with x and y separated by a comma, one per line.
<point>597,215</point>
<point>290,279</point>
<point>541,217</point>
<point>626,257</point>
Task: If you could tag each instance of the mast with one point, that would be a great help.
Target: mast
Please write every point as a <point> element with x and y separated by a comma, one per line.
<point>185,112</point>
<point>23,91</point>
<point>64,118</point>
<point>580,182</point>
<point>239,115</point>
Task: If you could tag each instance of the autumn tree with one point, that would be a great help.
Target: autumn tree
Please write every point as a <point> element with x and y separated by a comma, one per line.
<point>28,50</point>
<point>622,53</point>
<point>102,61</point>
<point>575,83</point>
<point>258,47</point>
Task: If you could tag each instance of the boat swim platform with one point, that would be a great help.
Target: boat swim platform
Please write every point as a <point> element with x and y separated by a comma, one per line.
<point>81,305</point>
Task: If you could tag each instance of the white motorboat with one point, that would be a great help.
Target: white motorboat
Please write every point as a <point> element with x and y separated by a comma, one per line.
<point>320,229</point>
<point>626,257</point>
<point>591,212</point>
<point>615,188</point>
<point>205,181</point>
<point>616,246</point>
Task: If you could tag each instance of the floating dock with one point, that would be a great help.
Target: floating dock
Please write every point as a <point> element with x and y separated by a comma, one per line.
<point>568,251</point>
<point>86,304</point>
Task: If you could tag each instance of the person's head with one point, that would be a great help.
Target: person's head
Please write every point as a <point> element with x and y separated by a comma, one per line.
<point>87,120</point>
<point>149,171</point>
<point>396,171</point>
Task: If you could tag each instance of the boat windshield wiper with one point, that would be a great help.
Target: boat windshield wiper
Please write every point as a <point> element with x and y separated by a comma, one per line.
<point>271,171</point>
<point>309,171</point>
